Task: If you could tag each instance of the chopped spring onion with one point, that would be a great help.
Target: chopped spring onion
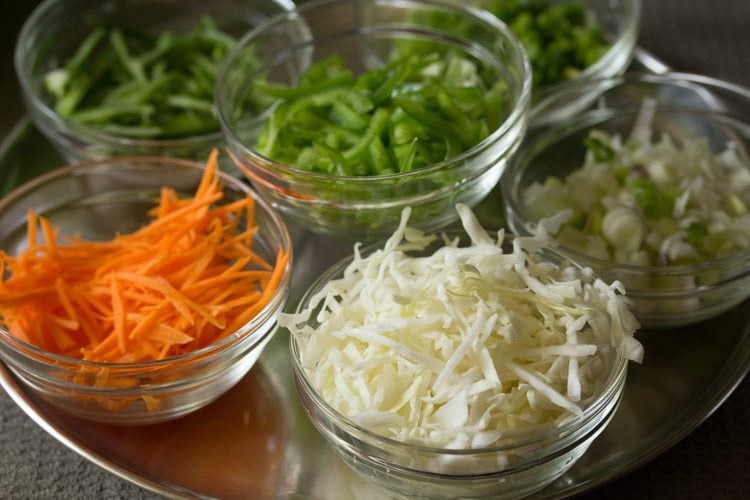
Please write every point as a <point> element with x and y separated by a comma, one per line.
<point>644,202</point>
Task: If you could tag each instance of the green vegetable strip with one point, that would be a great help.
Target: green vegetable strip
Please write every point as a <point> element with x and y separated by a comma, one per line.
<point>106,114</point>
<point>84,51</point>
<point>284,92</point>
<point>377,126</point>
<point>188,102</point>
<point>133,66</point>
<point>432,120</point>
<point>378,157</point>
<point>347,116</point>
<point>415,111</point>
<point>407,160</point>
<point>137,85</point>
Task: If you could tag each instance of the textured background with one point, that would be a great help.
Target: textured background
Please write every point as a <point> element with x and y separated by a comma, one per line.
<point>713,462</point>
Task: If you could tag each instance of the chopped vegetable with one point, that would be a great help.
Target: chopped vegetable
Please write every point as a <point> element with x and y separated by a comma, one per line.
<point>459,347</point>
<point>415,111</point>
<point>560,38</point>
<point>185,280</point>
<point>642,202</point>
<point>137,85</point>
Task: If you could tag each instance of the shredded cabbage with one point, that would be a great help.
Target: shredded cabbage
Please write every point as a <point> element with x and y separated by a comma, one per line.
<point>464,346</point>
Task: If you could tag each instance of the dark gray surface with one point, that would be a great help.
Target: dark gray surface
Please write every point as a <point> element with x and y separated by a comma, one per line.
<point>713,462</point>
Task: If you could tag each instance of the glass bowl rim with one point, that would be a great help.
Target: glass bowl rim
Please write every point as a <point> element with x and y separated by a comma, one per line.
<point>519,112</point>
<point>243,333</point>
<point>671,77</point>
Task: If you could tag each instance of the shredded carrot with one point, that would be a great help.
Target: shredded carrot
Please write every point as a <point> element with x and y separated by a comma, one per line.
<point>179,283</point>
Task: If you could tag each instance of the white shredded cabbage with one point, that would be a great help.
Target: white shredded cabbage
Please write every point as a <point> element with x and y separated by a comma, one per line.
<point>461,347</point>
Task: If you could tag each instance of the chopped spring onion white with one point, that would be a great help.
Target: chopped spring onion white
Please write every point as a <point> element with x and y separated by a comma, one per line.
<point>645,202</point>
<point>463,346</point>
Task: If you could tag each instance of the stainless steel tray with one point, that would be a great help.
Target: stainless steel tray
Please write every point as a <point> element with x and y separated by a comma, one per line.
<point>256,442</point>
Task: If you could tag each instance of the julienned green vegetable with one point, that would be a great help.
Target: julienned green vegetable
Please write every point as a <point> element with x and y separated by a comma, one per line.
<point>650,203</point>
<point>560,38</point>
<point>138,85</point>
<point>417,110</point>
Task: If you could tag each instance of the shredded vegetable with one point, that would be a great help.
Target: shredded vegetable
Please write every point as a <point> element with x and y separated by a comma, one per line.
<point>458,347</point>
<point>183,281</point>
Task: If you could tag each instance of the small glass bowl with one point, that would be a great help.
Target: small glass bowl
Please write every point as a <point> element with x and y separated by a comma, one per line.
<point>362,33</point>
<point>686,106</point>
<point>56,28</point>
<point>522,463</point>
<point>96,200</point>
<point>620,21</point>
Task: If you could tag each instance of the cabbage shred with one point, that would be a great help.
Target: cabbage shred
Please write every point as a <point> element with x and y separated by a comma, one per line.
<point>463,346</point>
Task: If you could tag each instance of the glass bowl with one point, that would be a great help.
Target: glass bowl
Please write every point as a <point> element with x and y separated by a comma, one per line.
<point>96,200</point>
<point>55,30</point>
<point>363,34</point>
<point>521,462</point>
<point>686,107</point>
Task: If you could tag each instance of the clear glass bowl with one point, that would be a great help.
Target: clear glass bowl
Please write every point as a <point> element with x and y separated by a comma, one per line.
<point>620,21</point>
<point>521,463</point>
<point>96,200</point>
<point>687,106</point>
<point>362,33</point>
<point>56,28</point>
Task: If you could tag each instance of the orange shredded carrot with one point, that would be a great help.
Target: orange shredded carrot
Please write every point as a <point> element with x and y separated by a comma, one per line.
<point>188,278</point>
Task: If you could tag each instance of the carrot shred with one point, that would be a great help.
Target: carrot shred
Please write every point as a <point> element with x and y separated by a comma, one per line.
<point>187,279</point>
<point>31,221</point>
<point>50,235</point>
<point>118,314</point>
